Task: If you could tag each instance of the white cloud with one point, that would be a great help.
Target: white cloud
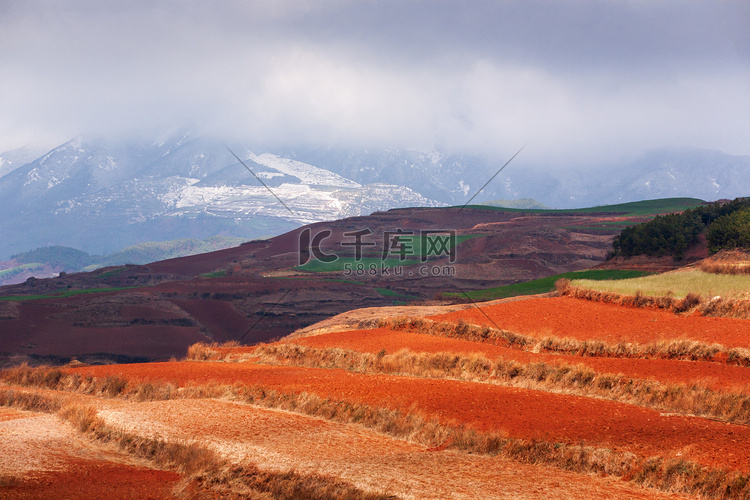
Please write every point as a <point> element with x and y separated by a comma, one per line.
<point>583,82</point>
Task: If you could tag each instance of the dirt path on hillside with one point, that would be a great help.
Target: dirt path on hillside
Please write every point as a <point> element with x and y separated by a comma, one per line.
<point>717,376</point>
<point>521,413</point>
<point>566,317</point>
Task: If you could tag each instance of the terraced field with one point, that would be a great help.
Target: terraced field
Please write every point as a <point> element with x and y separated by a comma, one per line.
<point>536,398</point>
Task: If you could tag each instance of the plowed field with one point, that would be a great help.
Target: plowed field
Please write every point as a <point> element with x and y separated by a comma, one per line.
<point>281,441</point>
<point>521,413</point>
<point>566,317</point>
<point>718,376</point>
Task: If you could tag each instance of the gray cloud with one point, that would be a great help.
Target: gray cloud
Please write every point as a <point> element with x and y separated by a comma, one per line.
<point>586,82</point>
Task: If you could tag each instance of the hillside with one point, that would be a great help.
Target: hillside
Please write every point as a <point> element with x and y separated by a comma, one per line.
<point>262,289</point>
<point>359,387</point>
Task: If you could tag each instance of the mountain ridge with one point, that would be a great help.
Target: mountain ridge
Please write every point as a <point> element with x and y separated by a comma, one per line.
<point>90,194</point>
<point>101,195</point>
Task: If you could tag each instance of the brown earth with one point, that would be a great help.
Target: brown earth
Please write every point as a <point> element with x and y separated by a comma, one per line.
<point>84,479</point>
<point>565,317</point>
<point>521,413</point>
<point>11,414</point>
<point>349,320</point>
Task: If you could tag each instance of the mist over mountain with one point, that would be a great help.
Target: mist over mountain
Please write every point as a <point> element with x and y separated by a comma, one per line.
<point>11,160</point>
<point>454,179</point>
<point>102,195</point>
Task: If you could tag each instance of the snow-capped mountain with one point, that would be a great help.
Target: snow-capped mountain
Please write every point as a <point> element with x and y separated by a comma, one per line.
<point>99,196</point>
<point>453,179</point>
<point>704,174</point>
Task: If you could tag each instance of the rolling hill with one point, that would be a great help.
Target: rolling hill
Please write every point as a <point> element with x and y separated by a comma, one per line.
<point>268,288</point>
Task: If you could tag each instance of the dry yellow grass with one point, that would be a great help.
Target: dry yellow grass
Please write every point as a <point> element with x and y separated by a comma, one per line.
<point>677,284</point>
<point>672,349</point>
<point>727,262</point>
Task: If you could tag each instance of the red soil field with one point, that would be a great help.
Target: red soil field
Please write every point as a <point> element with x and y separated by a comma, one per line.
<point>521,413</point>
<point>718,376</point>
<point>279,440</point>
<point>42,457</point>
<point>11,414</point>
<point>43,333</point>
<point>566,317</point>
<point>84,479</point>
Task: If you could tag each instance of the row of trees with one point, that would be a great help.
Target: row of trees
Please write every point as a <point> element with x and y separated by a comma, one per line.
<point>728,227</point>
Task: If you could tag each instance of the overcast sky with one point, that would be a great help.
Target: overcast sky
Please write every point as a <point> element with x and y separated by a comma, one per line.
<point>583,82</point>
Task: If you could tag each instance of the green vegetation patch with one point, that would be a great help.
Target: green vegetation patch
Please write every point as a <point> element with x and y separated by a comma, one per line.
<point>314,278</point>
<point>547,284</point>
<point>603,226</point>
<point>214,274</point>
<point>676,284</point>
<point>415,248</point>
<point>110,273</point>
<point>347,264</point>
<point>386,292</point>
<point>730,231</point>
<point>66,293</point>
<point>427,244</point>
<point>632,209</point>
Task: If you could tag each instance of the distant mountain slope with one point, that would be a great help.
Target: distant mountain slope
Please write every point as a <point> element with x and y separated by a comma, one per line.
<point>100,196</point>
<point>11,160</point>
<point>453,179</point>
<point>709,175</point>
<point>47,262</point>
<point>153,251</point>
<point>262,289</point>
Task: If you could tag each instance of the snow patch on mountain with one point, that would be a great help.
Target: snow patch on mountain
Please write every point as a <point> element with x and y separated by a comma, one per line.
<point>308,174</point>
<point>307,203</point>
